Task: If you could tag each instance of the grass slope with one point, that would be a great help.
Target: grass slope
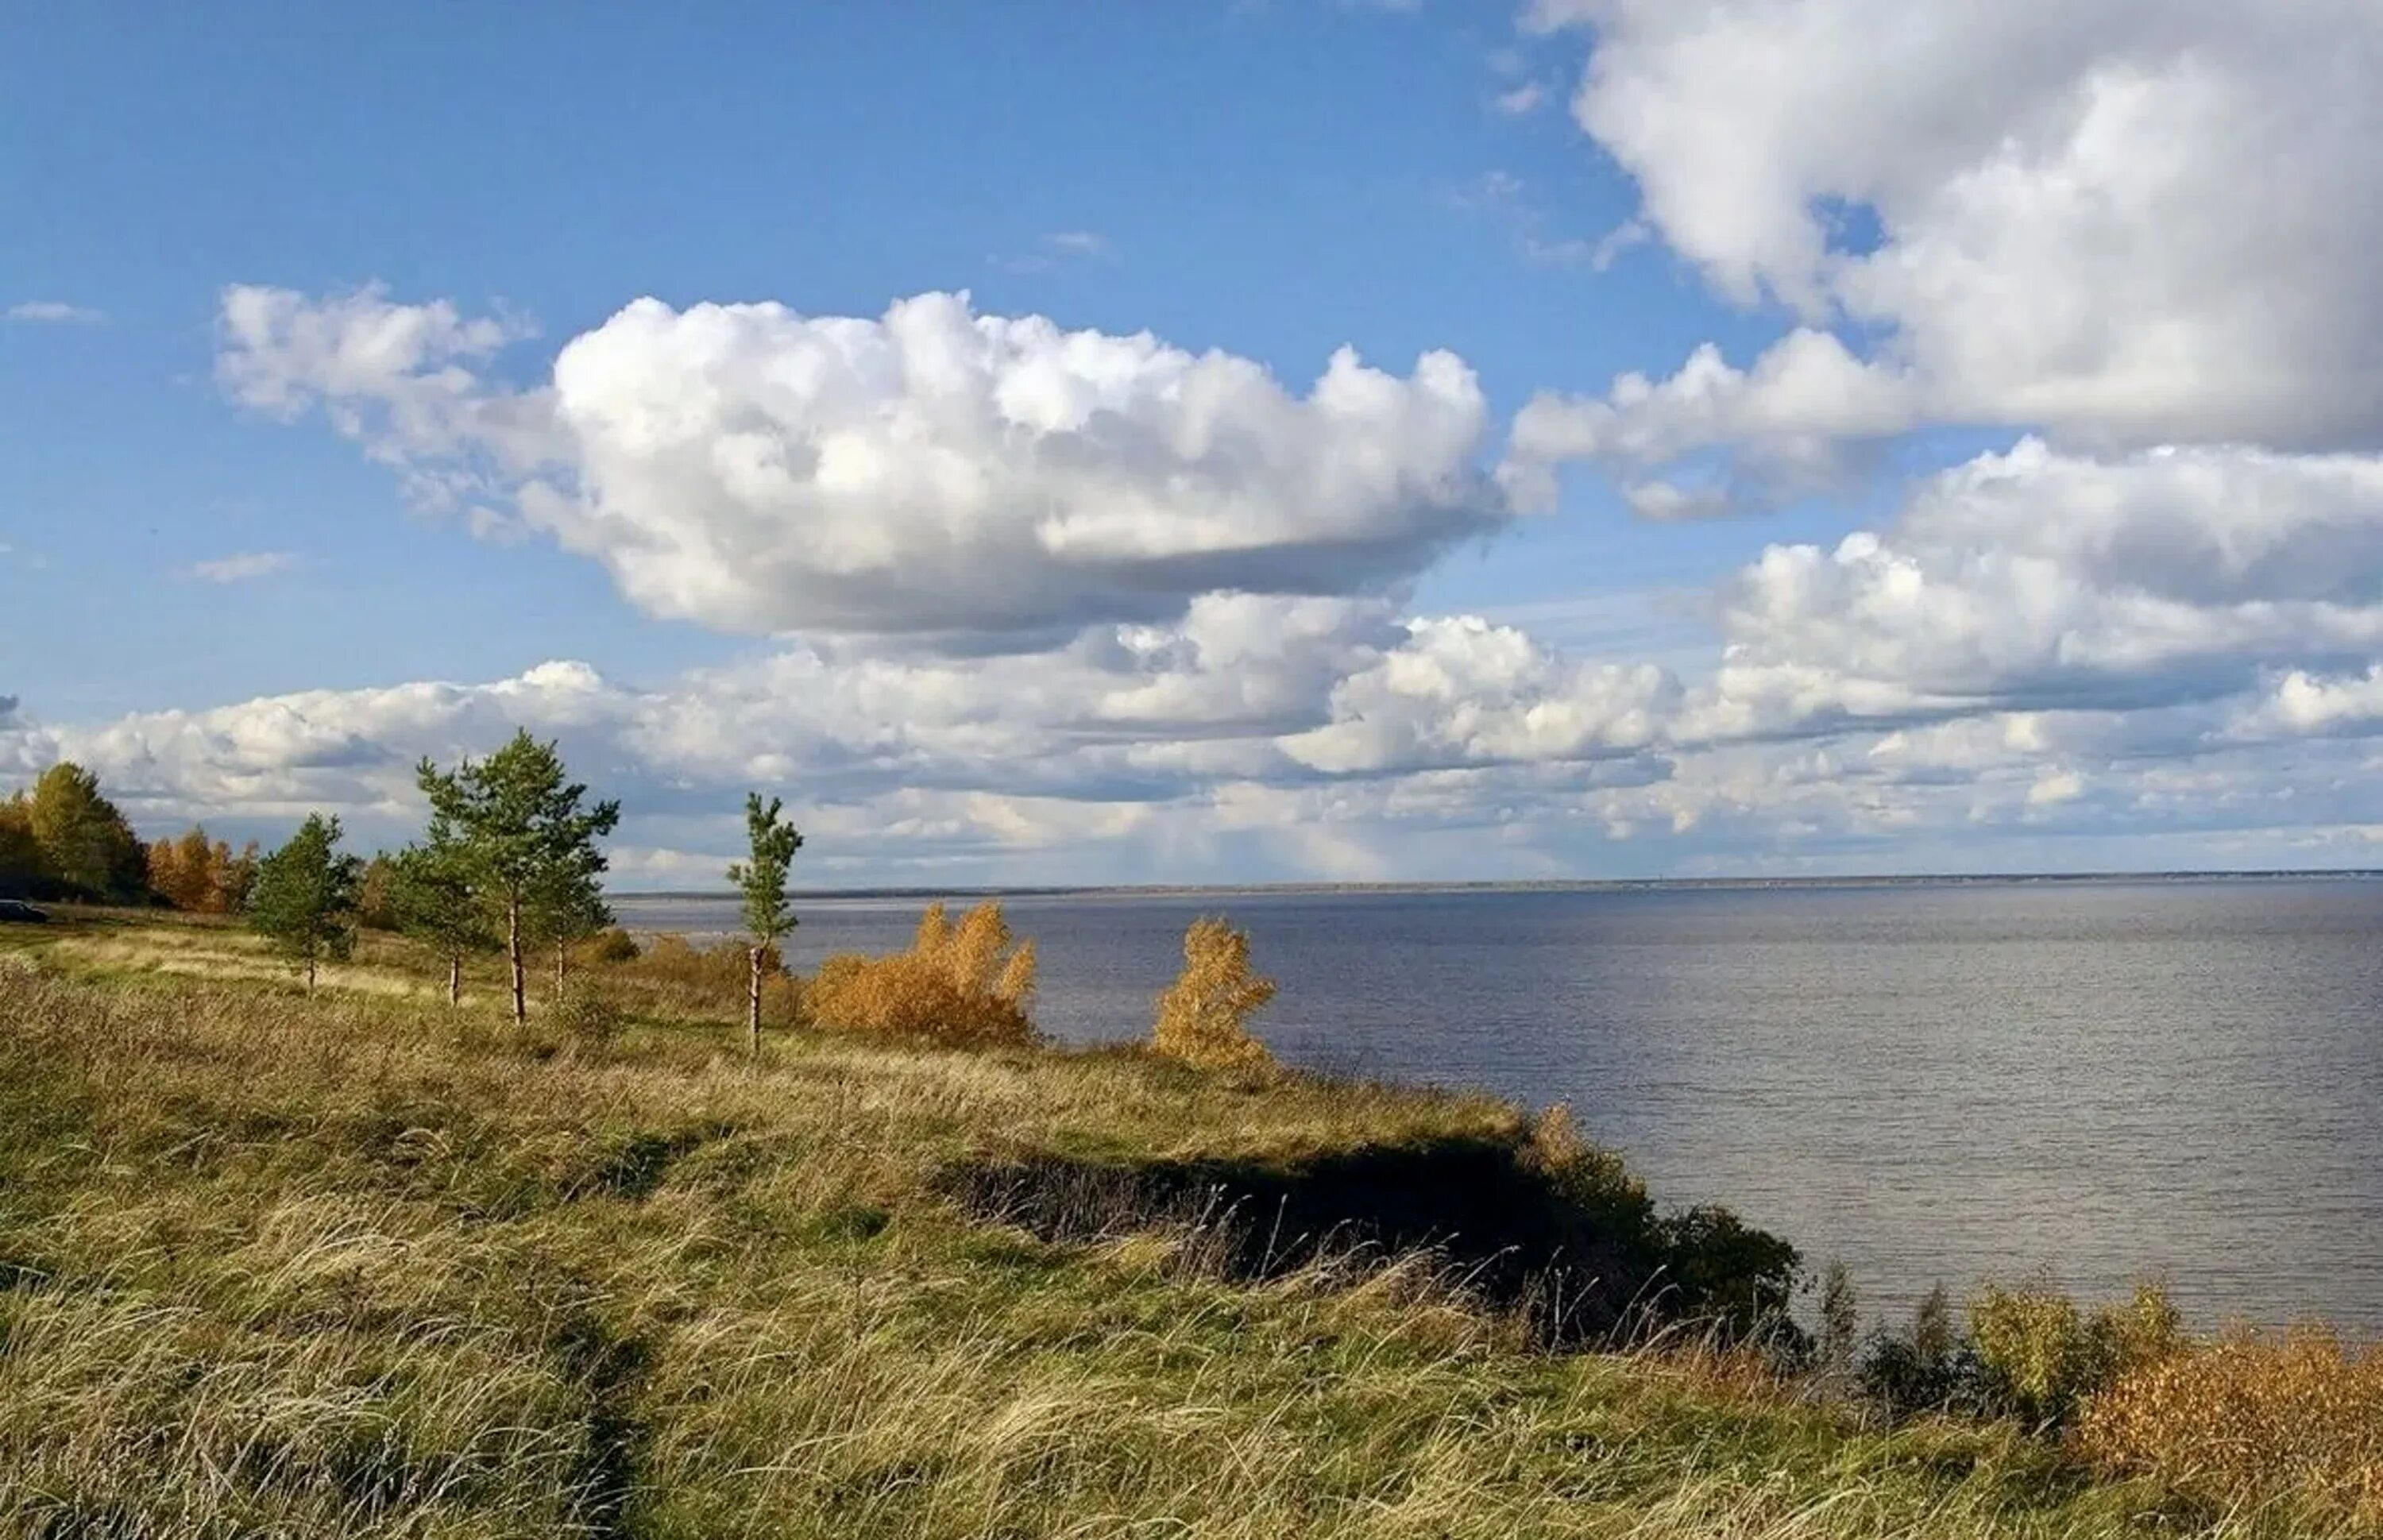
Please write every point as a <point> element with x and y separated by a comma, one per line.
<point>357,1266</point>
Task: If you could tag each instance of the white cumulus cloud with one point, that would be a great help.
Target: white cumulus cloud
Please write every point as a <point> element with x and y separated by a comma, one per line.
<point>1460,691</point>
<point>2037,579</point>
<point>2119,222</point>
<point>932,471</point>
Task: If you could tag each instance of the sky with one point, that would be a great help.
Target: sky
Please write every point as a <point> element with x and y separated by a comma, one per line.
<point>1213,442</point>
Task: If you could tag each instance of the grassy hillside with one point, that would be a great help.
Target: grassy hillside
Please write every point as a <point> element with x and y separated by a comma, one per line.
<point>357,1265</point>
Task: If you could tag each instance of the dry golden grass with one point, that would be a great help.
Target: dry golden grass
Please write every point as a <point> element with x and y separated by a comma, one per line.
<point>670,979</point>
<point>216,952</point>
<point>966,985</point>
<point>1203,1016</point>
<point>2250,1420</point>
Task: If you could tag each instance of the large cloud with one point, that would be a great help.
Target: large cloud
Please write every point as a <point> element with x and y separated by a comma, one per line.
<point>2038,580</point>
<point>2039,641</point>
<point>932,471</point>
<point>2123,222</point>
<point>1061,590</point>
<point>2135,231</point>
<point>1369,749</point>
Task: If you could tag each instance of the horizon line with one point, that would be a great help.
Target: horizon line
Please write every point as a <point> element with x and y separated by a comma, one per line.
<point>1542,885</point>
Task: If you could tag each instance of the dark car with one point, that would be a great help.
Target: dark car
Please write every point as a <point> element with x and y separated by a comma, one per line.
<point>22,913</point>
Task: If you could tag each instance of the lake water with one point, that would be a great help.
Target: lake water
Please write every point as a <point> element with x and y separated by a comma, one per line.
<point>1946,1081</point>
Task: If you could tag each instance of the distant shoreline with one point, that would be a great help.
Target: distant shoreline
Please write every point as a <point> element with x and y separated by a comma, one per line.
<point>1639,884</point>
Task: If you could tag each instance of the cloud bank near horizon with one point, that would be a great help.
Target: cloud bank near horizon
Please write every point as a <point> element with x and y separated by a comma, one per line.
<point>2041,645</point>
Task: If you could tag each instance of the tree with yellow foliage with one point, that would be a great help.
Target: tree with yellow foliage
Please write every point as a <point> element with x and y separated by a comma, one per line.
<point>966,985</point>
<point>166,872</point>
<point>87,847</point>
<point>200,877</point>
<point>1203,1016</point>
<point>198,869</point>
<point>182,872</point>
<point>983,959</point>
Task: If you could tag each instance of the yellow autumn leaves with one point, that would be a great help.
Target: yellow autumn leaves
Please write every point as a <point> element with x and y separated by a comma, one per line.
<point>964,985</point>
<point>967,984</point>
<point>1203,1016</point>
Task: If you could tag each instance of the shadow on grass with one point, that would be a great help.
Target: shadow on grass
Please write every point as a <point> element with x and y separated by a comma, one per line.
<point>1584,1263</point>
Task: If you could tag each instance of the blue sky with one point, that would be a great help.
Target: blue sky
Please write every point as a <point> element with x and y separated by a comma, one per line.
<point>831,158</point>
<point>1557,195</point>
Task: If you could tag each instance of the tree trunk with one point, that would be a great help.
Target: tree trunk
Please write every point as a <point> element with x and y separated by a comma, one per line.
<point>310,973</point>
<point>513,958</point>
<point>455,980</point>
<point>753,999</point>
<point>561,952</point>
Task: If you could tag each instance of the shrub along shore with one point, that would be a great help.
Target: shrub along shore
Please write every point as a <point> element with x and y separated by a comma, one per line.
<point>360,1263</point>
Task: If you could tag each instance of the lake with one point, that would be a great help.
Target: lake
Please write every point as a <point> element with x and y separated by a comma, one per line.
<point>2092,1080</point>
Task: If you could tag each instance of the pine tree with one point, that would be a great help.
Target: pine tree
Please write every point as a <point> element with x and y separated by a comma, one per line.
<point>305,897</point>
<point>763,878</point>
<point>568,906</point>
<point>431,899</point>
<point>520,835</point>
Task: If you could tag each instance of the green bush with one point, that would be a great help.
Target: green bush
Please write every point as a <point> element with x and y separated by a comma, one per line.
<point>2030,1353</point>
<point>1700,1268</point>
<point>1931,1367</point>
<point>1735,1278</point>
<point>2043,1356</point>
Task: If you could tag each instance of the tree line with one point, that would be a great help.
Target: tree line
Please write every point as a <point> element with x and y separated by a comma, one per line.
<point>64,840</point>
<point>508,863</point>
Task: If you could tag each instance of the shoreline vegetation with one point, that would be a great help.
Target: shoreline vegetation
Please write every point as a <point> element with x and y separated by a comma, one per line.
<point>329,1219</point>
